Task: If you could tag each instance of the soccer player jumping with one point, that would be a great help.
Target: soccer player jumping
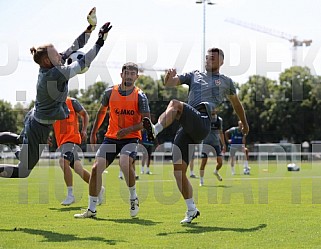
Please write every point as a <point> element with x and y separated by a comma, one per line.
<point>52,91</point>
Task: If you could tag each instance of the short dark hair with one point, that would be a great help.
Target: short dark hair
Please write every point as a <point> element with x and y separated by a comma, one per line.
<point>130,66</point>
<point>212,50</point>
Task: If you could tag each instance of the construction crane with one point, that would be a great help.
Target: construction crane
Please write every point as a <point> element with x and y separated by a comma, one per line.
<point>291,38</point>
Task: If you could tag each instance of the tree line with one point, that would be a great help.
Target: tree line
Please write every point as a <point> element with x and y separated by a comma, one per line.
<point>286,109</point>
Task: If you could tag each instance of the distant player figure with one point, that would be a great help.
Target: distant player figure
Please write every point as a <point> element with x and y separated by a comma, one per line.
<point>191,168</point>
<point>215,143</point>
<point>147,153</point>
<point>237,141</point>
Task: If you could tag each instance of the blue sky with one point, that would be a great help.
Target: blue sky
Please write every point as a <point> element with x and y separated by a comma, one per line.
<point>158,35</point>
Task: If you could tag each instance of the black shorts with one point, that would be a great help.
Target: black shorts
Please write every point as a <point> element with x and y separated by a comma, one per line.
<point>149,149</point>
<point>69,152</point>
<point>110,148</point>
<point>195,126</point>
<point>215,149</point>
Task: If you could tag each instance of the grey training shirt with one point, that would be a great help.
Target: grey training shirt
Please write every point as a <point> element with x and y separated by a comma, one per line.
<point>52,85</point>
<point>207,88</point>
<point>76,105</point>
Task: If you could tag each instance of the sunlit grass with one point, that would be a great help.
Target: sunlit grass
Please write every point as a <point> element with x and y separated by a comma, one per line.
<point>271,208</point>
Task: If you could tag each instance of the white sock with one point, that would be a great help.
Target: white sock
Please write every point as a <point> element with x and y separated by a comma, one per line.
<point>120,173</point>
<point>147,169</point>
<point>192,172</point>
<point>143,169</point>
<point>69,191</point>
<point>93,203</point>
<point>158,128</point>
<point>215,171</point>
<point>190,204</point>
<point>202,179</point>
<point>246,164</point>
<point>132,192</point>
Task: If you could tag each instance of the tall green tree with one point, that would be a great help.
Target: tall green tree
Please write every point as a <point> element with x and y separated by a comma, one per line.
<point>295,104</point>
<point>8,117</point>
<point>258,96</point>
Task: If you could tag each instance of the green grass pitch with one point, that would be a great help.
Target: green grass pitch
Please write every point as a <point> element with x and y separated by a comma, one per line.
<point>271,208</point>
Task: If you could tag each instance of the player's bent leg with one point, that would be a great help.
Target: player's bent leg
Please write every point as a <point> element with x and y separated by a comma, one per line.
<point>95,181</point>
<point>182,181</point>
<point>95,186</point>
<point>127,164</point>
<point>218,167</point>
<point>232,165</point>
<point>202,168</point>
<point>65,166</point>
<point>186,189</point>
<point>81,171</point>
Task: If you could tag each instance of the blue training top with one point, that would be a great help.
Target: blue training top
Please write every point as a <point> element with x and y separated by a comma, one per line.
<point>236,135</point>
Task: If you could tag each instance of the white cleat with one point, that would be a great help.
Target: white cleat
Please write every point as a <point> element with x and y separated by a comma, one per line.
<point>134,207</point>
<point>201,184</point>
<point>232,170</point>
<point>87,214</point>
<point>68,201</point>
<point>190,215</point>
<point>101,196</point>
<point>218,176</point>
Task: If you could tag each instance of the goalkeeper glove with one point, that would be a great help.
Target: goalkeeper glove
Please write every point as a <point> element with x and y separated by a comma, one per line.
<point>103,33</point>
<point>92,19</point>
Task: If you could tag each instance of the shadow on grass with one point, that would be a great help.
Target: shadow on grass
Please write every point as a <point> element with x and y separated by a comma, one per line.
<point>66,209</point>
<point>216,186</point>
<point>50,236</point>
<point>194,228</point>
<point>137,221</point>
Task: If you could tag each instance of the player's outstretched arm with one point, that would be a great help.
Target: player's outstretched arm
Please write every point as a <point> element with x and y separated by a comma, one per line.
<point>83,38</point>
<point>103,33</point>
<point>76,68</point>
<point>92,53</point>
<point>238,108</point>
<point>92,20</point>
<point>97,123</point>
